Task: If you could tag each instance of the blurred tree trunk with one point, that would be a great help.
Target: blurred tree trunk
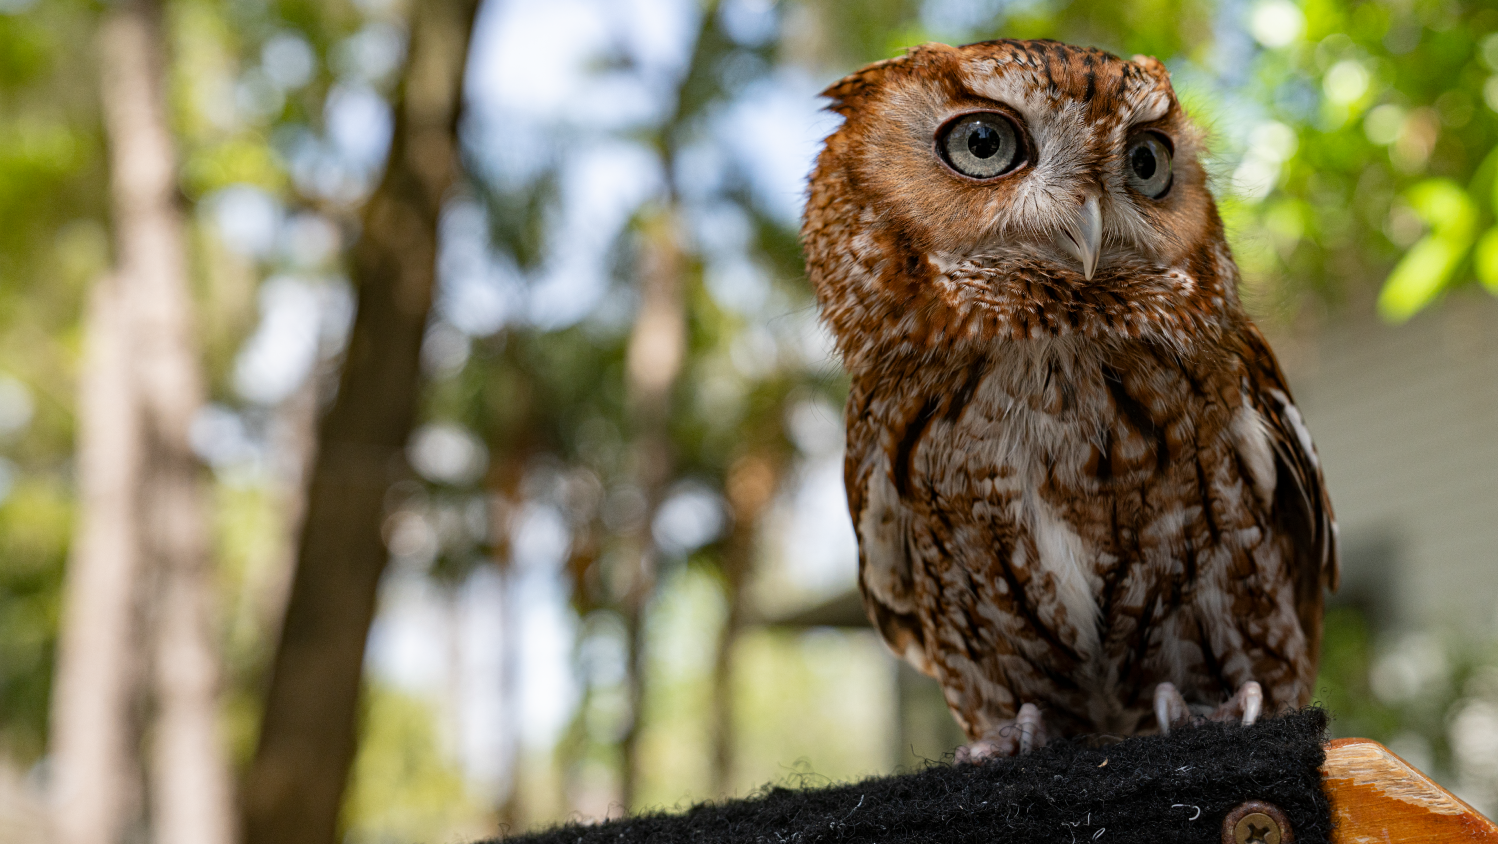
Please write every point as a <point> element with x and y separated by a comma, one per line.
<point>582,557</point>
<point>295,785</point>
<point>95,727</point>
<point>296,441</point>
<point>507,803</point>
<point>503,483</point>
<point>750,485</point>
<point>190,785</point>
<point>653,360</point>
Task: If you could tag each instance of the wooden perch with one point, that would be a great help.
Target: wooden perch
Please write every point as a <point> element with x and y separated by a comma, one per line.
<point>1277,782</point>
<point>1377,797</point>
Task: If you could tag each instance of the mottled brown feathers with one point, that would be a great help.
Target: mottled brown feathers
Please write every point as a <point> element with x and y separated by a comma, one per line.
<point>1067,489</point>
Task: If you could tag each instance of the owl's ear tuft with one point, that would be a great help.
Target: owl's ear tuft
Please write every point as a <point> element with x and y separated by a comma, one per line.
<point>1151,64</point>
<point>846,93</point>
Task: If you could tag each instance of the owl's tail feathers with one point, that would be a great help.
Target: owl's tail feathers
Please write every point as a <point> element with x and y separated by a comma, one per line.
<point>1171,710</point>
<point>1016,737</point>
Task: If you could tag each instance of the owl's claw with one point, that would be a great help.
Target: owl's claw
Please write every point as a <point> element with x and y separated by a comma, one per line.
<point>1170,708</point>
<point>1246,705</point>
<point>1015,738</point>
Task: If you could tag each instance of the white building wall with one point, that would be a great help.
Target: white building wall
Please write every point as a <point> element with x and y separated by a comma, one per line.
<point>1406,421</point>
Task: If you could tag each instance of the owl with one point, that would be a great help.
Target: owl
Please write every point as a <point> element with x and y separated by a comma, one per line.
<point>1085,501</point>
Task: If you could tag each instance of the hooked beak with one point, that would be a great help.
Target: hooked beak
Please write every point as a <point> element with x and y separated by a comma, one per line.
<point>1082,235</point>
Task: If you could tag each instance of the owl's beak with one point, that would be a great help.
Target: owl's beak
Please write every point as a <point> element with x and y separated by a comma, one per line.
<point>1082,235</point>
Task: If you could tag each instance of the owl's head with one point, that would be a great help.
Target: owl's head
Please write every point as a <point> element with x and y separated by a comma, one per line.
<point>1012,189</point>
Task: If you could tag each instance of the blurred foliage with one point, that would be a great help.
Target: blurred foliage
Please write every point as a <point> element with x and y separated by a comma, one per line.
<point>403,787</point>
<point>34,525</point>
<point>1354,160</point>
<point>1431,696</point>
<point>1390,109</point>
<point>52,243</point>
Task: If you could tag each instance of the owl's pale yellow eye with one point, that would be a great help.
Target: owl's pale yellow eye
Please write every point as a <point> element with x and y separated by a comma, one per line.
<point>1147,164</point>
<point>981,145</point>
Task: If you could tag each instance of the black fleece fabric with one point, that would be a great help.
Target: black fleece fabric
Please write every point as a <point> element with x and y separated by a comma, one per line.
<point>1156,789</point>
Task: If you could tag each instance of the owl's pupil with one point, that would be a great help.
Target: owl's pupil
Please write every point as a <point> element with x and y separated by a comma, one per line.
<point>984,141</point>
<point>1143,161</point>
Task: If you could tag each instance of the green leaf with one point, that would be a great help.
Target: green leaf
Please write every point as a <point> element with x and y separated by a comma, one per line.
<point>1418,278</point>
<point>1444,206</point>
<point>1431,263</point>
<point>1485,260</point>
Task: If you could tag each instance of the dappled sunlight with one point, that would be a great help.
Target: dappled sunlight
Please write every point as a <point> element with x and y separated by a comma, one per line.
<point>614,557</point>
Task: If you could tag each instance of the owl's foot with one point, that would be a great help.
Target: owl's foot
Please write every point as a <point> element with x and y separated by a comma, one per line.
<point>1244,706</point>
<point>1171,709</point>
<point>1026,732</point>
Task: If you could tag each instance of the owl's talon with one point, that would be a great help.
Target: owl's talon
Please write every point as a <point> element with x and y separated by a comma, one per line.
<point>1031,725</point>
<point>1014,738</point>
<point>1245,706</point>
<point>1170,708</point>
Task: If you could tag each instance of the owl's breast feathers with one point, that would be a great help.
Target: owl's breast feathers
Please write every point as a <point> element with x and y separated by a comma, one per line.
<point>1070,522</point>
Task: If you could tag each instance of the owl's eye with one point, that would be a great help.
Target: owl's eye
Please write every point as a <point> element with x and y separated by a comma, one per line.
<point>1147,165</point>
<point>980,145</point>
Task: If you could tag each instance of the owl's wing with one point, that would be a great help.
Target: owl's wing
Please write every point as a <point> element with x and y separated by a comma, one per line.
<point>1301,508</point>
<point>885,551</point>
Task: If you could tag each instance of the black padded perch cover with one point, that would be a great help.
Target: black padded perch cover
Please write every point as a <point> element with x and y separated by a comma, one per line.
<point>1156,789</point>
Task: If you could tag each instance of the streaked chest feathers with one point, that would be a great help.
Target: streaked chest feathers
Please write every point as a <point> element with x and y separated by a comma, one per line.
<point>1062,527</point>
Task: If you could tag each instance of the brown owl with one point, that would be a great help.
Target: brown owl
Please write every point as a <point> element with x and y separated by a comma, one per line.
<point>1084,499</point>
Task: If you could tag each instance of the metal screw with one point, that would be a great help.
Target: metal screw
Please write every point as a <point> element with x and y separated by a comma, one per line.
<point>1257,822</point>
<point>1256,828</point>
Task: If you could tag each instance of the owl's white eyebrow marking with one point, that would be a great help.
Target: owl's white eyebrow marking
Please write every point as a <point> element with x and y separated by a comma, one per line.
<point>1152,108</point>
<point>1010,88</point>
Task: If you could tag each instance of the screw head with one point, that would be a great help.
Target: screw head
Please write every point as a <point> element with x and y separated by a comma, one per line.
<point>1256,828</point>
<point>1257,822</point>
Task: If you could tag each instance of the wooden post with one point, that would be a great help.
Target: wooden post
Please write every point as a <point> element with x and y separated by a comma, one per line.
<point>1378,797</point>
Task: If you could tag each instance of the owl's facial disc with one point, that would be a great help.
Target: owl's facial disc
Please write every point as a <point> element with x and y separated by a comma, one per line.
<point>1081,236</point>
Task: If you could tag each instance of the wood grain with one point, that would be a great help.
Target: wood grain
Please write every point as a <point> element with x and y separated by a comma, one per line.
<point>1378,798</point>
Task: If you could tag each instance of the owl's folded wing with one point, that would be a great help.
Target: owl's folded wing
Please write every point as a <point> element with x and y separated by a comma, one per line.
<point>883,524</point>
<point>1301,507</point>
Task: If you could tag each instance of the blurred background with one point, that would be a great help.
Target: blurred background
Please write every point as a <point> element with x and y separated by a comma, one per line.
<point>480,329</point>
